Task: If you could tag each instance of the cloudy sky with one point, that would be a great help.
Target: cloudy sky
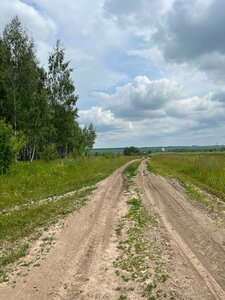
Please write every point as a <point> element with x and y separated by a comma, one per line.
<point>148,72</point>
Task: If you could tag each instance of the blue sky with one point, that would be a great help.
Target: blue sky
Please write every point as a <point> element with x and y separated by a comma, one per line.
<point>148,72</point>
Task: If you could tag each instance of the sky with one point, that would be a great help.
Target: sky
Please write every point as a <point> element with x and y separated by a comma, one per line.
<point>147,72</point>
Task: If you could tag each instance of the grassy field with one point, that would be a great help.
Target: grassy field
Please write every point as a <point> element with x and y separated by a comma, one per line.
<point>205,170</point>
<point>20,222</point>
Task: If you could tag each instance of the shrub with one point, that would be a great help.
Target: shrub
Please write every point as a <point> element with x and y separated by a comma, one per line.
<point>49,152</point>
<point>8,147</point>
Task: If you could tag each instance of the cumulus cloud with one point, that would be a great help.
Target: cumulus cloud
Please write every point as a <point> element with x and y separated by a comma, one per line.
<point>141,97</point>
<point>103,120</point>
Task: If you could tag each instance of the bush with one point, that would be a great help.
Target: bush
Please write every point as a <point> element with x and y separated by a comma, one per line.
<point>8,147</point>
<point>130,151</point>
<point>49,152</point>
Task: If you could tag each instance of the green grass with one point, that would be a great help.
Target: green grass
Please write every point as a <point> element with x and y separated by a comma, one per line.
<point>205,170</point>
<point>38,180</point>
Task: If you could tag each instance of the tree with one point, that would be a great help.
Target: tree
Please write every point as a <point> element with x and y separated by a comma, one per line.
<point>24,97</point>
<point>62,99</point>
<point>5,103</point>
<point>129,151</point>
<point>89,136</point>
<point>9,146</point>
<point>40,104</point>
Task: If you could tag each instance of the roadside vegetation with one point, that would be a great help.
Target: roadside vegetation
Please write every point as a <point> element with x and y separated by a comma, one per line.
<point>206,170</point>
<point>24,216</point>
<point>37,180</point>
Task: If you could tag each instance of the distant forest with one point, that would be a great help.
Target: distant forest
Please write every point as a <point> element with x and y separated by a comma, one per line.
<point>38,113</point>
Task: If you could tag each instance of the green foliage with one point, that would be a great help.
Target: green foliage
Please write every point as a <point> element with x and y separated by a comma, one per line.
<point>40,104</point>
<point>130,151</point>
<point>136,203</point>
<point>49,152</point>
<point>63,100</point>
<point>89,136</point>
<point>9,146</point>
<point>139,259</point>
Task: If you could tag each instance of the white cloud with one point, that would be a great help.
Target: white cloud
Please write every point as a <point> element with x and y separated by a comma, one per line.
<point>38,24</point>
<point>141,97</point>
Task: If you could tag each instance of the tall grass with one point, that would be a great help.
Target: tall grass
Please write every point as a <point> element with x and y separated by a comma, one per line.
<point>38,180</point>
<point>207,170</point>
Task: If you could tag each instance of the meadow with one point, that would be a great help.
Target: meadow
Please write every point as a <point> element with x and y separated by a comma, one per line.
<point>205,170</point>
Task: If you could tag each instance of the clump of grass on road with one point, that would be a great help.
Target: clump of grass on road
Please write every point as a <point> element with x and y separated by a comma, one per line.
<point>139,262</point>
<point>130,172</point>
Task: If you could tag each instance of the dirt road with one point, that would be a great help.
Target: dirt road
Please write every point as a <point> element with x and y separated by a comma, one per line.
<point>80,265</point>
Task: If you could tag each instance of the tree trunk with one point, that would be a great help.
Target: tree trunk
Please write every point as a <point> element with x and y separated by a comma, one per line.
<point>33,153</point>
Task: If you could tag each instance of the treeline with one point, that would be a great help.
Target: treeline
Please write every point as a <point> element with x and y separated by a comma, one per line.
<point>38,105</point>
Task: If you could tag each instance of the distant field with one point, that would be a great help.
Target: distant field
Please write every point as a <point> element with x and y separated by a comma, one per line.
<point>206,170</point>
<point>146,150</point>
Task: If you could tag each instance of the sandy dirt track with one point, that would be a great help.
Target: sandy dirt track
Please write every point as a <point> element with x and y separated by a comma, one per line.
<point>191,231</point>
<point>79,266</point>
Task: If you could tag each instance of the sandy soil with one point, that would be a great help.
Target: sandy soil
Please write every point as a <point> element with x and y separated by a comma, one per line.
<point>80,263</point>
